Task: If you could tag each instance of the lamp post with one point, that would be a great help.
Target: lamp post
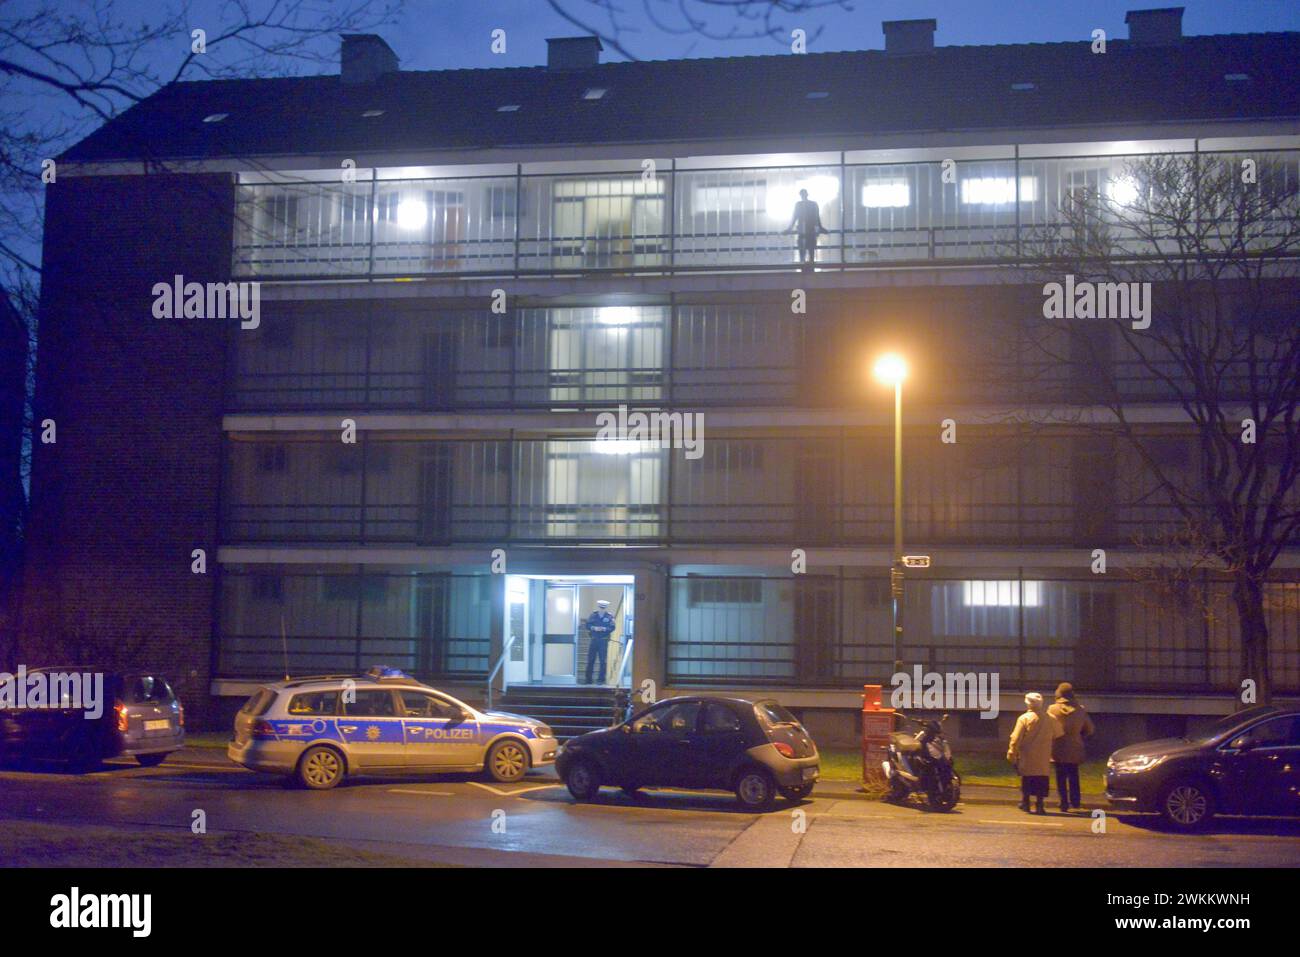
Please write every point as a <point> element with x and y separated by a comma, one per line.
<point>891,369</point>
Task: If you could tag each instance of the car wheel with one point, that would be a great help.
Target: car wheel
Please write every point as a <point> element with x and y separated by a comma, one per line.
<point>942,800</point>
<point>320,768</point>
<point>152,760</point>
<point>632,791</point>
<point>1187,804</point>
<point>507,761</point>
<point>795,795</point>
<point>755,790</point>
<point>582,781</point>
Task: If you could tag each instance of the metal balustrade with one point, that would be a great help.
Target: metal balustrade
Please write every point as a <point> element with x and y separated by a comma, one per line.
<point>1046,491</point>
<point>680,220</point>
<point>832,630</point>
<point>688,355</point>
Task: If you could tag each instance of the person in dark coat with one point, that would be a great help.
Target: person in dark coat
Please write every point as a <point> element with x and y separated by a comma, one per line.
<point>807,222</point>
<point>1068,751</point>
<point>600,625</point>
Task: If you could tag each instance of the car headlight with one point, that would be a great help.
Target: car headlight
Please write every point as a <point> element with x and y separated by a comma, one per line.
<point>542,731</point>
<point>1141,762</point>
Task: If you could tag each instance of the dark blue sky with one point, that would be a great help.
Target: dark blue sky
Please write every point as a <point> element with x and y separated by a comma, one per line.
<point>440,34</point>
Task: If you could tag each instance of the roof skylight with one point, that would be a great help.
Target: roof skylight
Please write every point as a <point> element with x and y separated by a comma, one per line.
<point>215,117</point>
<point>594,92</point>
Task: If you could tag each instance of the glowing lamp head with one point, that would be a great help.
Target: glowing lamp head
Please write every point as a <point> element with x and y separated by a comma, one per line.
<point>890,369</point>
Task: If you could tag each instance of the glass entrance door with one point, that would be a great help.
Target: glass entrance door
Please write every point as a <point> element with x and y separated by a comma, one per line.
<point>560,637</point>
<point>517,661</point>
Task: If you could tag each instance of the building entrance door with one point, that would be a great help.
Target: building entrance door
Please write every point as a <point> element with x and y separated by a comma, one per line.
<point>545,623</point>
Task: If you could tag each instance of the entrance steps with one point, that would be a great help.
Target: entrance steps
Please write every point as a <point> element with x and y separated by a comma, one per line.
<point>570,710</point>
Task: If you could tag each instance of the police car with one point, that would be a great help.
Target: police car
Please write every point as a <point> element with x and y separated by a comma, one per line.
<point>320,730</point>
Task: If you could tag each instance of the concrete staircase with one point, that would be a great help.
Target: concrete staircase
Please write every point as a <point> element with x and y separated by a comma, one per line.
<point>570,710</point>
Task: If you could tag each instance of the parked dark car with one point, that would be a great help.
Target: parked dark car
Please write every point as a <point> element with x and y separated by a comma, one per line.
<point>140,718</point>
<point>1247,763</point>
<point>755,748</point>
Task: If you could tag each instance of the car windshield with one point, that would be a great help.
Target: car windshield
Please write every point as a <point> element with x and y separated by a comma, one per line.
<point>1226,724</point>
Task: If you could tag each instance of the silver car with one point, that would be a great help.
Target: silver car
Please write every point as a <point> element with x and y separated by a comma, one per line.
<point>320,730</point>
<point>139,717</point>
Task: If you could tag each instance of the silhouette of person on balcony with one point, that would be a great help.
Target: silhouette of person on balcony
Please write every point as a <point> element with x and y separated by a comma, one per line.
<point>807,222</point>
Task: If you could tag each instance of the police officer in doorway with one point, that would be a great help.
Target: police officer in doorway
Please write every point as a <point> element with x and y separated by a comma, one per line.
<point>600,625</point>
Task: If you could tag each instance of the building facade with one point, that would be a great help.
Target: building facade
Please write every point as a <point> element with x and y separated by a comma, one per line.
<point>400,458</point>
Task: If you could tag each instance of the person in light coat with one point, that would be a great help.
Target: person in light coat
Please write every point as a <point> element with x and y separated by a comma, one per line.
<point>1068,751</point>
<point>1031,750</point>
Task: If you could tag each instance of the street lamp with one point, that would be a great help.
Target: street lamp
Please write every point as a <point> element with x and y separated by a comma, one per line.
<point>891,369</point>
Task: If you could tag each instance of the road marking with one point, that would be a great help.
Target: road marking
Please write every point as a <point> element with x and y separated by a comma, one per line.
<point>414,791</point>
<point>488,787</point>
<point>1026,823</point>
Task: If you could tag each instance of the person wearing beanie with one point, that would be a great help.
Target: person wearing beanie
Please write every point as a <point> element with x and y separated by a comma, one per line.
<point>1031,750</point>
<point>1069,751</point>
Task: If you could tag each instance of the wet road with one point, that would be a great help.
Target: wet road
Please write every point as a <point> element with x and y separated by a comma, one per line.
<point>466,820</point>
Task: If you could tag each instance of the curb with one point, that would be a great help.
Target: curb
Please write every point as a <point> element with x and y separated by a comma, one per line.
<point>845,791</point>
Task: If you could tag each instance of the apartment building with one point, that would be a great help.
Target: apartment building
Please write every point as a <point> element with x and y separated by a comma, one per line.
<point>399,462</point>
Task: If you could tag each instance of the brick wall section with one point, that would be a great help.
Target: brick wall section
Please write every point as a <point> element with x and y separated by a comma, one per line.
<point>131,486</point>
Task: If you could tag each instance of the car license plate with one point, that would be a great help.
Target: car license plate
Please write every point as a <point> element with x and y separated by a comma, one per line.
<point>161,725</point>
<point>810,774</point>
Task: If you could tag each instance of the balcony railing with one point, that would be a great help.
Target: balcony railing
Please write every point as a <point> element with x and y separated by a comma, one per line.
<point>677,220</point>
<point>1051,491</point>
<point>980,350</point>
<point>830,631</point>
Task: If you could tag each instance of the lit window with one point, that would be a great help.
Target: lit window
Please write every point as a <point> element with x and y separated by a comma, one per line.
<point>1236,77</point>
<point>373,113</point>
<point>616,315</point>
<point>1021,87</point>
<point>508,108</point>
<point>886,193</point>
<point>818,95</point>
<point>215,117</point>
<point>412,214</point>
<point>781,197</point>
<point>594,92</point>
<point>1123,190</point>
<point>1001,594</point>
<point>733,197</point>
<point>998,190</point>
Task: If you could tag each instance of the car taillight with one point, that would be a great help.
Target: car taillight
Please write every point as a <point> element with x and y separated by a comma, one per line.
<point>784,749</point>
<point>120,708</point>
<point>180,714</point>
<point>262,729</point>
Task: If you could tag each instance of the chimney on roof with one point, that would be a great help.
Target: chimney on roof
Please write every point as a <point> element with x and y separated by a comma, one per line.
<point>364,58</point>
<point>572,53</point>
<point>909,36</point>
<point>1155,28</point>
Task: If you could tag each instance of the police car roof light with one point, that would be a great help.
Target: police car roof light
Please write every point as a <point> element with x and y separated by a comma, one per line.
<point>382,671</point>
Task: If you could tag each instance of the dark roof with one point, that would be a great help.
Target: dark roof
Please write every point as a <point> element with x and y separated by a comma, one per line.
<point>871,92</point>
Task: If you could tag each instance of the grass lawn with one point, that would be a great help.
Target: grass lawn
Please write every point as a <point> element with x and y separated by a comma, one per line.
<point>208,739</point>
<point>38,844</point>
<point>845,764</point>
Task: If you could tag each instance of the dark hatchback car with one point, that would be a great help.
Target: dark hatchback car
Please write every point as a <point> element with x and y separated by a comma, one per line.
<point>1246,763</point>
<point>140,718</point>
<point>755,749</point>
